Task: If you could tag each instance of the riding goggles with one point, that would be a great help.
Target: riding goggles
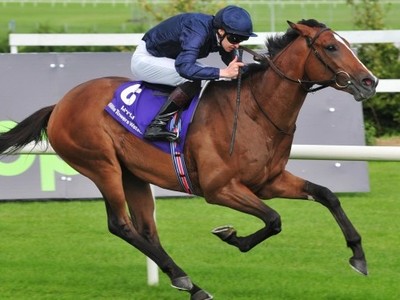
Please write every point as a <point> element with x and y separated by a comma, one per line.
<point>236,39</point>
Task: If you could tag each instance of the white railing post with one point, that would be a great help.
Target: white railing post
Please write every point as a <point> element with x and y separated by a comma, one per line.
<point>152,268</point>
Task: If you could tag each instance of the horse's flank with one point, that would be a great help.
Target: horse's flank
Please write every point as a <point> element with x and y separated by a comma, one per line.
<point>93,96</point>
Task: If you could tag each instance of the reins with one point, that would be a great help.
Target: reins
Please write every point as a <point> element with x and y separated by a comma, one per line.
<point>239,87</point>
<point>269,118</point>
<point>322,83</point>
<point>303,83</point>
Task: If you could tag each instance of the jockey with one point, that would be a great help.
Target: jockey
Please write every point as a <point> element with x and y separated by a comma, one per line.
<point>168,54</point>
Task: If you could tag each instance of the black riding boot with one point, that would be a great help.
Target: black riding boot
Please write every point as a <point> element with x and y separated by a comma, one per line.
<point>179,97</point>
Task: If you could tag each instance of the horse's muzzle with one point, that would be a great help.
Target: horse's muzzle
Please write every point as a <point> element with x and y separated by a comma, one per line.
<point>363,89</point>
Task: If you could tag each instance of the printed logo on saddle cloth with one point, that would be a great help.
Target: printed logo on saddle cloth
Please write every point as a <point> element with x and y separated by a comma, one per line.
<point>134,106</point>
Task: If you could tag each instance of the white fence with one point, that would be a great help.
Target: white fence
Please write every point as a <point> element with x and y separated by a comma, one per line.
<point>311,152</point>
<point>132,39</point>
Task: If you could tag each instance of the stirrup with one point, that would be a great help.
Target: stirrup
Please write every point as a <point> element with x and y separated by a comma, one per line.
<point>158,133</point>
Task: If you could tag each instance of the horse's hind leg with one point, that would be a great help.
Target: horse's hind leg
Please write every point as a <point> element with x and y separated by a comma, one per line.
<point>140,202</point>
<point>142,232</point>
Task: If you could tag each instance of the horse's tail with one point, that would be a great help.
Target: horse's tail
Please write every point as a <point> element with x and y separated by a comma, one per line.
<point>32,129</point>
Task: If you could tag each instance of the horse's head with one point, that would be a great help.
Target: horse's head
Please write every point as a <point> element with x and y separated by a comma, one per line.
<point>332,61</point>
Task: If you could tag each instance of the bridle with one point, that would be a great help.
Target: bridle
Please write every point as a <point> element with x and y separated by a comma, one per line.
<point>304,83</point>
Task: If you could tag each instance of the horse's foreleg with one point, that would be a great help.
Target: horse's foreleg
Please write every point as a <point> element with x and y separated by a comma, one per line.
<point>324,196</point>
<point>290,186</point>
<point>240,198</point>
<point>245,243</point>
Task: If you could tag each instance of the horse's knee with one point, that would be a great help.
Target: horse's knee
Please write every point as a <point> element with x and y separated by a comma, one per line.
<point>323,195</point>
<point>275,223</point>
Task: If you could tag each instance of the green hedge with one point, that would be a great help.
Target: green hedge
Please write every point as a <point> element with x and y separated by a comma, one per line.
<point>381,113</point>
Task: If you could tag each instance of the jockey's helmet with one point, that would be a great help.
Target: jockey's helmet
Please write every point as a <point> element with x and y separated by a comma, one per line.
<point>234,20</point>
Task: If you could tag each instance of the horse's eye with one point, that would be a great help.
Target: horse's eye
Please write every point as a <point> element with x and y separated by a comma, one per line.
<point>331,48</point>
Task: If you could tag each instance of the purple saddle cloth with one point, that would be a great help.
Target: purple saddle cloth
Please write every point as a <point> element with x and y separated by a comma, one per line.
<point>134,106</point>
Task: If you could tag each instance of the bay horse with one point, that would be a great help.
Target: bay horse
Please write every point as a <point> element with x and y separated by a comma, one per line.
<point>123,166</point>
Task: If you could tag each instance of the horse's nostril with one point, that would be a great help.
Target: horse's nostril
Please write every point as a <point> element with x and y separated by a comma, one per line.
<point>368,82</point>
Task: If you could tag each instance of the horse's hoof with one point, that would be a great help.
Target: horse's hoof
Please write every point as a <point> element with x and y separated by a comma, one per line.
<point>359,265</point>
<point>224,232</point>
<point>201,295</point>
<point>182,283</point>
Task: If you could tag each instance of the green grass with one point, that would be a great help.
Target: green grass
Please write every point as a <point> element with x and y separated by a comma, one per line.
<point>62,250</point>
<point>71,18</point>
<point>129,18</point>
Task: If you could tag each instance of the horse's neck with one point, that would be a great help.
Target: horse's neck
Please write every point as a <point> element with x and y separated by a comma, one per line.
<point>280,98</point>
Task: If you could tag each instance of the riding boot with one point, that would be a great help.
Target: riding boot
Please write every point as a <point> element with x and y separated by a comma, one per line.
<point>179,98</point>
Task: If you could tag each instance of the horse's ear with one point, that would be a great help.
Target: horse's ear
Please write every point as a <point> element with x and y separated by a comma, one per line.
<point>291,24</point>
<point>294,26</point>
<point>302,29</point>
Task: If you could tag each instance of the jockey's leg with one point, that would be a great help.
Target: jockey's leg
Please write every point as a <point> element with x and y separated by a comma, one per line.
<point>178,99</point>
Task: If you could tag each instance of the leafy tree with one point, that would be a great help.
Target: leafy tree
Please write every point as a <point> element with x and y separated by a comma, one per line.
<point>161,12</point>
<point>382,111</point>
<point>4,45</point>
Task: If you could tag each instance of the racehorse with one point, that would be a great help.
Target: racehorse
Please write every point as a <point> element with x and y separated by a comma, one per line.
<point>272,93</point>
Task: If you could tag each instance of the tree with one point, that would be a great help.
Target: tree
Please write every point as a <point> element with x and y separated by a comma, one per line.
<point>382,111</point>
<point>161,12</point>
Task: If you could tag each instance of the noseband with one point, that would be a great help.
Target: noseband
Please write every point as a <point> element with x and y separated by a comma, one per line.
<point>304,83</point>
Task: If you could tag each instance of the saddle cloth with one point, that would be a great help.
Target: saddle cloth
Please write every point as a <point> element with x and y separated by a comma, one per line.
<point>134,106</point>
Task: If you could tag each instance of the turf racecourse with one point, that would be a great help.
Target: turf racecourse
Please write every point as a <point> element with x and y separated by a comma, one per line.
<point>93,16</point>
<point>62,250</point>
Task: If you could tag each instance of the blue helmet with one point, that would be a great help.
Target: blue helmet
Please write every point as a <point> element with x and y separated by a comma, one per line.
<point>234,20</point>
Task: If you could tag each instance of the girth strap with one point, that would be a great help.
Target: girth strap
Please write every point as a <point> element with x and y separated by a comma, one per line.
<point>178,158</point>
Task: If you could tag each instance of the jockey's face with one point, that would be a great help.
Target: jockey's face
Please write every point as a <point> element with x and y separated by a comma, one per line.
<point>225,43</point>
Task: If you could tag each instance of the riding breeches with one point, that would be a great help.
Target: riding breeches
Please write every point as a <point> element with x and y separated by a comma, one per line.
<point>160,70</point>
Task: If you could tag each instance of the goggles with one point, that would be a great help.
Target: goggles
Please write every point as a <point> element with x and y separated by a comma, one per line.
<point>235,38</point>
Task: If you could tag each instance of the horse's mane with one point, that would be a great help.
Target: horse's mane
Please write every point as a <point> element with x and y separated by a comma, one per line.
<point>278,42</point>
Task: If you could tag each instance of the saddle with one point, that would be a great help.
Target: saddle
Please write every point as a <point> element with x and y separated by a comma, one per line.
<point>134,106</point>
